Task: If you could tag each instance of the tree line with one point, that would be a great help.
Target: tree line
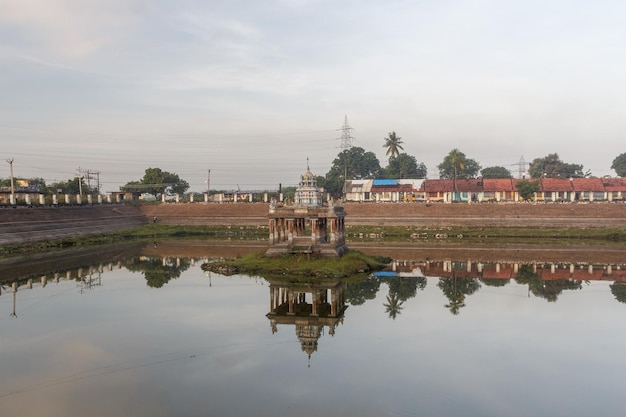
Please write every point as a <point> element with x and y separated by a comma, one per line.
<point>356,163</point>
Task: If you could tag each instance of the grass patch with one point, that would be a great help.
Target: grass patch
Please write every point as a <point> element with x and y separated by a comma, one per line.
<point>299,267</point>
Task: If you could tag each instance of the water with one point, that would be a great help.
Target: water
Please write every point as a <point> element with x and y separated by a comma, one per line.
<point>157,336</point>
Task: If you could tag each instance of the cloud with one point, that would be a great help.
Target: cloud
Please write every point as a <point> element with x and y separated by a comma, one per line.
<point>68,28</point>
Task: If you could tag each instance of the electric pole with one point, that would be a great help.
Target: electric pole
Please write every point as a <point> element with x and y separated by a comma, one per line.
<point>10,161</point>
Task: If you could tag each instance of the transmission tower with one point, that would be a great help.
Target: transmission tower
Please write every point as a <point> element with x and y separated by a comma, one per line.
<point>346,135</point>
<point>521,167</point>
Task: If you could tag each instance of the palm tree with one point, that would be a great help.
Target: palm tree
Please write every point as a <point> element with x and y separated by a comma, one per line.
<point>393,144</point>
<point>457,159</point>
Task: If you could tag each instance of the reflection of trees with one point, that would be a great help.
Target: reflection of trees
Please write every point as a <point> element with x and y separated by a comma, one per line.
<point>358,293</point>
<point>549,290</point>
<point>393,305</point>
<point>455,289</point>
<point>495,282</point>
<point>400,290</point>
<point>159,271</point>
<point>618,289</point>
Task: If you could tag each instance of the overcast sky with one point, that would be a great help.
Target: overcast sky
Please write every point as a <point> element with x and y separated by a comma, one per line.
<point>250,89</point>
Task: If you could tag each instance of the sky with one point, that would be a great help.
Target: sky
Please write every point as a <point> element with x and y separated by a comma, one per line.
<point>249,90</point>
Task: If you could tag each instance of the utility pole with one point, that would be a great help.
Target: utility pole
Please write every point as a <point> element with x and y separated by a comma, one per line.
<point>208,183</point>
<point>10,161</point>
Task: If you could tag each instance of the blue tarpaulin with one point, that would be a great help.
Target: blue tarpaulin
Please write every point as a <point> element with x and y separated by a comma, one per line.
<point>385,182</point>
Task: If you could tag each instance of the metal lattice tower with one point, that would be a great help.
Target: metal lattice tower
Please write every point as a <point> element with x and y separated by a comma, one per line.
<point>346,135</point>
<point>521,167</point>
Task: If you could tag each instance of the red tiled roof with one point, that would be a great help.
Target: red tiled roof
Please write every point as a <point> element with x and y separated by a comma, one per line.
<point>614,184</point>
<point>498,184</point>
<point>556,184</point>
<point>588,184</point>
<point>471,185</point>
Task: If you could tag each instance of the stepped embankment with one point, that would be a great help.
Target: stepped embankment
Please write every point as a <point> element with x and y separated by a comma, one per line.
<point>34,224</point>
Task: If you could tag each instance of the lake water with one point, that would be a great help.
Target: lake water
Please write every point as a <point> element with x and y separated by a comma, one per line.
<point>138,334</point>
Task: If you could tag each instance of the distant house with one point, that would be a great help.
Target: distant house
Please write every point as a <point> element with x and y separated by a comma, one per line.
<point>588,189</point>
<point>397,190</point>
<point>615,188</point>
<point>500,189</point>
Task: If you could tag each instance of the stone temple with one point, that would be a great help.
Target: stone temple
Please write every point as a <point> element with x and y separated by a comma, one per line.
<point>308,226</point>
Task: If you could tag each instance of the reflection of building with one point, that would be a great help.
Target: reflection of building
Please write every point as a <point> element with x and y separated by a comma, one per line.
<point>310,307</point>
<point>307,226</point>
<point>507,270</point>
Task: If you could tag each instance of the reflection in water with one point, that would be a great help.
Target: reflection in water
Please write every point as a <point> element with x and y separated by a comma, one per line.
<point>158,271</point>
<point>89,333</point>
<point>309,306</point>
<point>456,279</point>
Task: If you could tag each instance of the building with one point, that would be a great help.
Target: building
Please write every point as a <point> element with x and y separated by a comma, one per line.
<point>307,226</point>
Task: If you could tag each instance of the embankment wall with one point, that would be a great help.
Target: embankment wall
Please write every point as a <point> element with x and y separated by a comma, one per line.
<point>25,225</point>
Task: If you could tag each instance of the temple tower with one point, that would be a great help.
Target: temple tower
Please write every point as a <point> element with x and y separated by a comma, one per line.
<point>308,226</point>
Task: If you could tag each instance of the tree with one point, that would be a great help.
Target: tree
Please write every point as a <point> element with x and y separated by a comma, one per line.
<point>353,163</point>
<point>457,165</point>
<point>619,165</point>
<point>393,143</point>
<point>404,166</point>
<point>495,172</point>
<point>551,166</point>
<point>527,189</point>
<point>71,186</point>
<point>155,181</point>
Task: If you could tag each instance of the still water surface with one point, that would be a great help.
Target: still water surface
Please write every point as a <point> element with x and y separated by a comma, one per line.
<point>157,336</point>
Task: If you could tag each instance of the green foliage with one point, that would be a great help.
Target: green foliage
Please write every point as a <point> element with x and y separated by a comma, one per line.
<point>404,166</point>
<point>618,289</point>
<point>527,189</point>
<point>156,272</point>
<point>551,166</point>
<point>356,163</point>
<point>619,165</point>
<point>71,186</point>
<point>455,289</point>
<point>393,143</point>
<point>457,165</point>
<point>155,181</point>
<point>495,172</point>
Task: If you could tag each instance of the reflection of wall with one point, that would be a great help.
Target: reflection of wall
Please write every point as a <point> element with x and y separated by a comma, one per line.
<point>509,270</point>
<point>310,307</point>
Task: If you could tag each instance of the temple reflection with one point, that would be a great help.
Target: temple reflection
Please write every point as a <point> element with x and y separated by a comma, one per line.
<point>310,307</point>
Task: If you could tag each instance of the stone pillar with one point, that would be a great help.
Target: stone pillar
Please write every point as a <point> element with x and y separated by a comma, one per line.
<point>89,199</point>
<point>177,198</point>
<point>27,198</point>
<point>55,199</point>
<point>191,198</point>
<point>79,199</point>
<point>313,231</point>
<point>67,199</point>
<point>206,197</point>
<point>109,198</point>
<point>100,199</point>
<point>162,198</point>
<point>235,196</point>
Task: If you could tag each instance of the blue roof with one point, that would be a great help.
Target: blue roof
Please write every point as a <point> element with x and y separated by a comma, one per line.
<point>385,182</point>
